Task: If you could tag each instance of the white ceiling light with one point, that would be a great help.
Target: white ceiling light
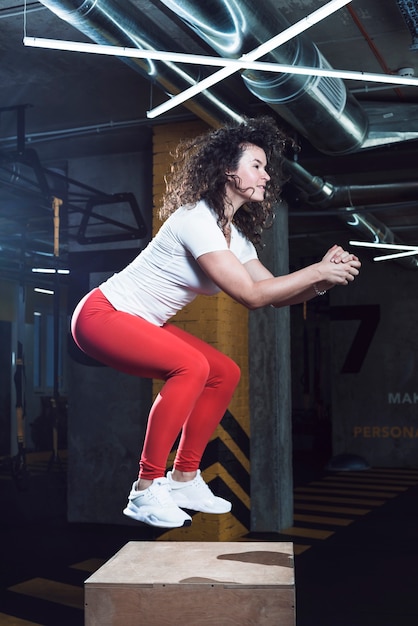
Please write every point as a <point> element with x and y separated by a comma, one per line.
<point>265,48</point>
<point>229,66</point>
<point>404,250</point>
<point>49,270</point>
<point>234,64</point>
<point>255,54</point>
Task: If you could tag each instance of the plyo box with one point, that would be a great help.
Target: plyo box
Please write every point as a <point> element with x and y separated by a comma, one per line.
<point>201,584</point>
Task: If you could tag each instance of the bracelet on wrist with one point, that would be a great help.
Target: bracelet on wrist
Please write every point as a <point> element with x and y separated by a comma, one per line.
<point>318,292</point>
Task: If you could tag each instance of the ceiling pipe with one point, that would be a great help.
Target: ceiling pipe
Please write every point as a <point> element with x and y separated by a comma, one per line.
<point>325,195</point>
<point>318,107</point>
<point>107,22</point>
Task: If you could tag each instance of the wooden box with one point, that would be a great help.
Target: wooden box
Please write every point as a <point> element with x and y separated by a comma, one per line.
<point>199,584</point>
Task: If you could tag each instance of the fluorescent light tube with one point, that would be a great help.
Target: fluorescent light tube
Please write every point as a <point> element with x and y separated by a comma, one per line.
<point>397,255</point>
<point>49,292</point>
<point>390,246</point>
<point>229,66</point>
<point>236,64</point>
<point>404,250</point>
<point>255,54</point>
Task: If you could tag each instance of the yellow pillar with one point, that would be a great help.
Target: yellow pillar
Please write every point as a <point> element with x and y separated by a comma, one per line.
<point>223,323</point>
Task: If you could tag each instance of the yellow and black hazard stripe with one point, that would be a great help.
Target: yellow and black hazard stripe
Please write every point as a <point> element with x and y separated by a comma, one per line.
<point>225,467</point>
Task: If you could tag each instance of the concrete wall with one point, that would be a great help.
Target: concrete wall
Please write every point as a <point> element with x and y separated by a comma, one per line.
<point>355,370</point>
<point>107,410</point>
<point>375,389</point>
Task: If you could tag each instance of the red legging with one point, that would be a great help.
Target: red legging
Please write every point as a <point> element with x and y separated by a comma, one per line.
<point>199,380</point>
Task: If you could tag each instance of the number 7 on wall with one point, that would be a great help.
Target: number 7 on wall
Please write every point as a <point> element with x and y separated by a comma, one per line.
<point>369,316</point>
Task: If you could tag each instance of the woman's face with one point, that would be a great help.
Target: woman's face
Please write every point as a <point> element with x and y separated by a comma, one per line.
<point>248,181</point>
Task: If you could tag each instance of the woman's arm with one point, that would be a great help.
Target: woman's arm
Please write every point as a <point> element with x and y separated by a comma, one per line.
<point>254,286</point>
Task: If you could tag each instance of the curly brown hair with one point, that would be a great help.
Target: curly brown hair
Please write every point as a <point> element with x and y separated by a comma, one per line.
<point>198,172</point>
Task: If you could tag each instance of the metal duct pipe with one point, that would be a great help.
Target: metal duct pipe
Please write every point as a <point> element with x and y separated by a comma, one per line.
<point>319,108</point>
<point>322,194</point>
<point>107,22</point>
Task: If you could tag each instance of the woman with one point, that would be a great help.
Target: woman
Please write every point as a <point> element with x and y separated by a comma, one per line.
<point>218,200</point>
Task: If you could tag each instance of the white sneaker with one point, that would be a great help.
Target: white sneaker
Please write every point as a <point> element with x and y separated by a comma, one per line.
<point>155,506</point>
<point>196,496</point>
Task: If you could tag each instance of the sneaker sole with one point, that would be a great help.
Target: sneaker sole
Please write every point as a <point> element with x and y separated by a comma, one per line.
<point>201,509</point>
<point>155,522</point>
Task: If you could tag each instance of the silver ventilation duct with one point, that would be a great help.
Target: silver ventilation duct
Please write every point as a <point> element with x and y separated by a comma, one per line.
<point>310,104</point>
<point>321,194</point>
<point>107,22</point>
<point>319,108</point>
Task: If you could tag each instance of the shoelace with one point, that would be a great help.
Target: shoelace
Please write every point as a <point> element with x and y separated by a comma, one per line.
<point>161,493</point>
<point>200,484</point>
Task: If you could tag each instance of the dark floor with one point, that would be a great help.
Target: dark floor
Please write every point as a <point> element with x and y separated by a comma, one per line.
<point>355,536</point>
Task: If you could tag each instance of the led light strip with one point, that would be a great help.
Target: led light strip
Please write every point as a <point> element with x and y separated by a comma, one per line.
<point>196,59</point>
<point>229,66</point>
<point>405,250</point>
<point>265,48</point>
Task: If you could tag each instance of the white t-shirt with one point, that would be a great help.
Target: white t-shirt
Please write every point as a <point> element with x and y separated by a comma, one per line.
<point>165,276</point>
